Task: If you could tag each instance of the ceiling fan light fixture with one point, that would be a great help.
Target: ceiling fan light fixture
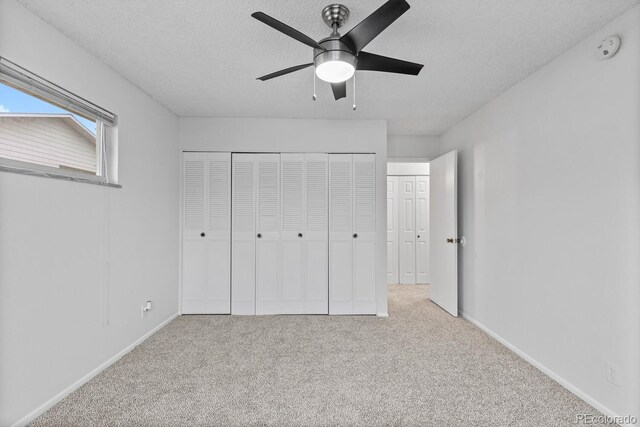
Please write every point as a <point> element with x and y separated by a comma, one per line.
<point>335,66</point>
<point>335,71</point>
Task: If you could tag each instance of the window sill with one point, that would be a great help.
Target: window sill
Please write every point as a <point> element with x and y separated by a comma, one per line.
<point>14,166</point>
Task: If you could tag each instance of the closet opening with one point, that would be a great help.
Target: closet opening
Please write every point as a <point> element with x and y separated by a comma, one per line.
<point>279,233</point>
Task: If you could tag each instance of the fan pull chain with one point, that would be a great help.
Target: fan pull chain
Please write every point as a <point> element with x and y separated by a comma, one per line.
<point>314,83</point>
<point>354,91</point>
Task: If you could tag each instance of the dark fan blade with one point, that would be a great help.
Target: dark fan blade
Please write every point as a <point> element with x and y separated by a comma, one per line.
<point>339,90</point>
<point>374,24</point>
<point>372,62</point>
<point>285,71</point>
<point>284,28</point>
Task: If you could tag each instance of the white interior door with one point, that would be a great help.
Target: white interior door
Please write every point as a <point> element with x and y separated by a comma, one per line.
<point>340,234</point>
<point>444,232</point>
<point>364,234</point>
<point>269,290</point>
<point>316,235</point>
<point>407,230</point>
<point>422,229</point>
<point>392,230</point>
<point>243,247</point>
<point>206,233</point>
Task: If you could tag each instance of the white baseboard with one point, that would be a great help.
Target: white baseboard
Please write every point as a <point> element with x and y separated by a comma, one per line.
<point>67,391</point>
<point>557,378</point>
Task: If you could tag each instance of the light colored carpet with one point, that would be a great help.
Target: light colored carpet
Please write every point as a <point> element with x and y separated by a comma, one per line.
<point>420,366</point>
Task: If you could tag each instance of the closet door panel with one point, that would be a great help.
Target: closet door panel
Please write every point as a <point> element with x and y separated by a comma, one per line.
<point>340,274</point>
<point>422,229</point>
<point>268,283</point>
<point>293,254</point>
<point>316,236</point>
<point>293,261</point>
<point>194,267</point>
<point>218,295</point>
<point>193,194</point>
<point>243,254</point>
<point>243,276</point>
<point>268,289</point>
<point>364,293</point>
<point>218,234</point>
<point>364,266</point>
<point>340,234</point>
<point>407,230</point>
<point>317,280</point>
<point>206,233</point>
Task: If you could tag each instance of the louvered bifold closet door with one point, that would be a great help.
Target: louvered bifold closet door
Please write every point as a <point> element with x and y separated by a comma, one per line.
<point>316,236</point>
<point>364,229</point>
<point>206,233</point>
<point>243,253</point>
<point>268,280</point>
<point>341,234</point>
<point>294,250</point>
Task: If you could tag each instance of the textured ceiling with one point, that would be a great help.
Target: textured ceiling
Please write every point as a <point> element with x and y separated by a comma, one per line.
<point>201,57</point>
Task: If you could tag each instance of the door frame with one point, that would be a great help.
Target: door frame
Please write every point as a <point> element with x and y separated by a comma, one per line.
<point>399,168</point>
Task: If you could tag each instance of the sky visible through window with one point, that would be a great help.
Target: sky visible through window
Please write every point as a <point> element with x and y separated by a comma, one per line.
<point>14,101</point>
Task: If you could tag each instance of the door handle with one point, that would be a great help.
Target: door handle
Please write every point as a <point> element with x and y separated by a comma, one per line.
<point>259,235</point>
<point>449,240</point>
<point>454,240</point>
<point>299,235</point>
<point>202,234</point>
<point>355,236</point>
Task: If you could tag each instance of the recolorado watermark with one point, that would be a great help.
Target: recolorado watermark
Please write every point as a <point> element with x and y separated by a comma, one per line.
<point>593,419</point>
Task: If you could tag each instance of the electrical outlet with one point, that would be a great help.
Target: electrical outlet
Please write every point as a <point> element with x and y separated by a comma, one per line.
<point>613,373</point>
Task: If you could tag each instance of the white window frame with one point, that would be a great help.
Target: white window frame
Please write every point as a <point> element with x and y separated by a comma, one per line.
<point>19,78</point>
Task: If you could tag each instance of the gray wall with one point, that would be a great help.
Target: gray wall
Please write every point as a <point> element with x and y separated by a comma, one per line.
<point>412,147</point>
<point>77,261</point>
<point>550,204</point>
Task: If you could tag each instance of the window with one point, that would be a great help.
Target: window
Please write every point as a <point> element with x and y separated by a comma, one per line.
<point>48,131</point>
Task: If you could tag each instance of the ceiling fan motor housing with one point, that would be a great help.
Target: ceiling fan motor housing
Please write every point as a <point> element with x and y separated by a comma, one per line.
<point>335,51</point>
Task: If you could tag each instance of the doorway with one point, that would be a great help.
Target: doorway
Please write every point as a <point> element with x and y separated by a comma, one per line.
<point>422,229</point>
<point>408,202</point>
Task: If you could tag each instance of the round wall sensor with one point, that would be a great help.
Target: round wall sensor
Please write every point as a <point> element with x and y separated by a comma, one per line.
<point>609,47</point>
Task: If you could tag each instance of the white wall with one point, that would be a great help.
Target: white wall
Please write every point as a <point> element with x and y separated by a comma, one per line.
<point>413,147</point>
<point>550,204</point>
<point>289,135</point>
<point>74,257</point>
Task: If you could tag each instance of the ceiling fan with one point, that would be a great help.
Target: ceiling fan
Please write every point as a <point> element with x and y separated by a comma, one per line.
<point>336,58</point>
